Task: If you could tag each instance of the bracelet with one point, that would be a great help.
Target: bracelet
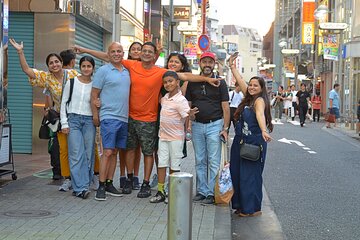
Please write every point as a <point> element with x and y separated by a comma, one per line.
<point>226,129</point>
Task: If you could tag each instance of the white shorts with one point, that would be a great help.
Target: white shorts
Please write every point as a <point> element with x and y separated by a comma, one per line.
<point>170,154</point>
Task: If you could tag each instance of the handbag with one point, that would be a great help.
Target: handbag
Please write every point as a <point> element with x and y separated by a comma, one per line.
<point>330,117</point>
<point>223,187</point>
<point>250,151</point>
<point>44,129</point>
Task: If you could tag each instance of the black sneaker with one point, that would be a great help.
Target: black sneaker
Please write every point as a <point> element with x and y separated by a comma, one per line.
<point>208,200</point>
<point>145,191</point>
<point>122,181</point>
<point>198,197</point>
<point>136,184</point>
<point>159,197</point>
<point>111,190</point>
<point>127,187</point>
<point>84,194</point>
<point>100,194</point>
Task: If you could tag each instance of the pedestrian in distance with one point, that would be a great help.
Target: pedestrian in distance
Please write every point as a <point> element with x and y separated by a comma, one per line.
<point>77,124</point>
<point>173,118</point>
<point>209,126</point>
<point>334,103</point>
<point>294,102</point>
<point>253,127</point>
<point>288,103</point>
<point>53,80</point>
<point>303,99</point>
<point>316,105</point>
<point>235,97</point>
<point>279,105</point>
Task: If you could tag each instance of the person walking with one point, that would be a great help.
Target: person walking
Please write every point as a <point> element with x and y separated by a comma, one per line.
<point>210,124</point>
<point>77,124</point>
<point>316,105</point>
<point>293,102</point>
<point>303,98</point>
<point>235,97</point>
<point>334,103</point>
<point>112,85</point>
<point>253,127</point>
<point>288,103</point>
<point>279,105</point>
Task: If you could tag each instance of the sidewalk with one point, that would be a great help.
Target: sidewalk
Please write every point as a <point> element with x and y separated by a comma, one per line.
<point>33,208</point>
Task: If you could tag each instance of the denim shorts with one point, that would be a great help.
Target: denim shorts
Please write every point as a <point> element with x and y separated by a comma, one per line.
<point>143,133</point>
<point>113,133</point>
<point>336,112</point>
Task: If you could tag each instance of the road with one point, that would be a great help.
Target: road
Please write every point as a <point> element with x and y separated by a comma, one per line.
<point>313,182</point>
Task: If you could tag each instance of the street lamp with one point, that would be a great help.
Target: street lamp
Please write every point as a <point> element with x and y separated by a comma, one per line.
<point>321,11</point>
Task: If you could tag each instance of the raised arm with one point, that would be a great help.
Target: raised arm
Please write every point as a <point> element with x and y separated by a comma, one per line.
<point>198,78</point>
<point>20,50</point>
<point>236,74</point>
<point>98,54</point>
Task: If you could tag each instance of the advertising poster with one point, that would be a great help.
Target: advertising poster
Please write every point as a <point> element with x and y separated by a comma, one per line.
<point>190,46</point>
<point>331,47</point>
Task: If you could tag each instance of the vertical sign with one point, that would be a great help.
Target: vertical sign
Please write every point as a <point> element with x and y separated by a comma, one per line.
<point>308,27</point>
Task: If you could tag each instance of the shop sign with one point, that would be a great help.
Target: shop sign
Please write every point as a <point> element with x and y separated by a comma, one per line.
<point>181,13</point>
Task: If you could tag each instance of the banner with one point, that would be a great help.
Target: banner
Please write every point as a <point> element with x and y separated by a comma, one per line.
<point>331,47</point>
<point>308,28</point>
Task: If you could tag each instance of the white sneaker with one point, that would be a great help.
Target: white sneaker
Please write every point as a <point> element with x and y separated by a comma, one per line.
<point>66,186</point>
<point>95,182</point>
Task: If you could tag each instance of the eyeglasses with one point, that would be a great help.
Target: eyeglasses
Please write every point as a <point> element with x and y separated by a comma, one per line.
<point>203,89</point>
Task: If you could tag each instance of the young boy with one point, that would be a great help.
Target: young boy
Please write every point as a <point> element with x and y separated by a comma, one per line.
<point>174,113</point>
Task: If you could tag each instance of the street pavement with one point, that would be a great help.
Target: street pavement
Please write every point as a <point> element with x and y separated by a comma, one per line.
<point>33,208</point>
<point>312,179</point>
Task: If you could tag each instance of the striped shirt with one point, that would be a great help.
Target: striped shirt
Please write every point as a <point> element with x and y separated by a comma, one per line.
<point>173,113</point>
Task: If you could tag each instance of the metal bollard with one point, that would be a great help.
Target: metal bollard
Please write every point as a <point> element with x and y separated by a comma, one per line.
<point>180,206</point>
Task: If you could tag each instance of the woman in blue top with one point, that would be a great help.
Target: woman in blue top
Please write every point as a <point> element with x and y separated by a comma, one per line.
<point>253,126</point>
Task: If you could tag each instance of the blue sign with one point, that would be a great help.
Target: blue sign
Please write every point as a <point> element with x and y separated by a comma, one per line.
<point>204,42</point>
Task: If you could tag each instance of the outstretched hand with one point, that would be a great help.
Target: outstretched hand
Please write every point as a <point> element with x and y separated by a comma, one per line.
<point>214,81</point>
<point>17,46</point>
<point>78,50</point>
<point>192,113</point>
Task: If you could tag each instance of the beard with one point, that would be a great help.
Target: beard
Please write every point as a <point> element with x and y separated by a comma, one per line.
<point>207,70</point>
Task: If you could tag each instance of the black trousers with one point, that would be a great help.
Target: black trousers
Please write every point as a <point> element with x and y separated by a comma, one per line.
<point>302,113</point>
<point>316,113</point>
<point>54,150</point>
<point>294,104</point>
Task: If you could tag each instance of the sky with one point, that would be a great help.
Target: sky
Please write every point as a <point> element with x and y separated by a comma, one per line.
<point>258,14</point>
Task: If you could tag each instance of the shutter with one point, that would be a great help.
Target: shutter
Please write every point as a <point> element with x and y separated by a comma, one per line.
<point>20,93</point>
<point>90,36</point>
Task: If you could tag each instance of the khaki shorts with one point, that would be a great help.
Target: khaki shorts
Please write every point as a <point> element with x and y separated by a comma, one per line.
<point>143,133</point>
<point>170,154</point>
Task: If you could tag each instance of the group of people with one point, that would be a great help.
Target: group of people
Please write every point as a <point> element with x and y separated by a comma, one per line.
<point>122,98</point>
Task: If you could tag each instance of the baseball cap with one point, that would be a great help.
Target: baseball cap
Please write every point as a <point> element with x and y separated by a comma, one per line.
<point>208,54</point>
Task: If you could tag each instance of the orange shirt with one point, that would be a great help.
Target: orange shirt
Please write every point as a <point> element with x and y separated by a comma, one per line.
<point>144,90</point>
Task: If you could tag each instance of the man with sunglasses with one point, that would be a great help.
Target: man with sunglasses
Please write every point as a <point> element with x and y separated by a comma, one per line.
<point>210,125</point>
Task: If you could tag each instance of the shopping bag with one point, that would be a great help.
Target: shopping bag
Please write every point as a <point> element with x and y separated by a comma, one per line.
<point>223,187</point>
<point>273,102</point>
<point>330,117</point>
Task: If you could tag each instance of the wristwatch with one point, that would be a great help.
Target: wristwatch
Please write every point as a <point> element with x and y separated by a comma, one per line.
<point>225,129</point>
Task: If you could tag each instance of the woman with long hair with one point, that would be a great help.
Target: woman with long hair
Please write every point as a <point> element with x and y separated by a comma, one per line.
<point>253,125</point>
<point>77,124</point>
<point>53,80</point>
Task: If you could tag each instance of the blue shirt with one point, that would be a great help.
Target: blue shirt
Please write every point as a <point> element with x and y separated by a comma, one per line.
<point>114,88</point>
<point>334,96</point>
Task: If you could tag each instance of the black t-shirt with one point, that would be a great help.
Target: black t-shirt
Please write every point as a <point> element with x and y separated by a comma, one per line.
<point>302,96</point>
<point>207,99</point>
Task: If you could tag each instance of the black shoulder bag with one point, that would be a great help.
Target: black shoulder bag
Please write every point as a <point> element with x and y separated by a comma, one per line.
<point>249,151</point>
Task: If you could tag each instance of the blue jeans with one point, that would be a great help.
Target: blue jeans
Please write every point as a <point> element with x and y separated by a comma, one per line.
<point>207,147</point>
<point>81,143</point>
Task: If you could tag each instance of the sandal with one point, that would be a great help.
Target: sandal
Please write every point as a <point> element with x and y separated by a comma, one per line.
<point>237,211</point>
<point>255,214</point>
